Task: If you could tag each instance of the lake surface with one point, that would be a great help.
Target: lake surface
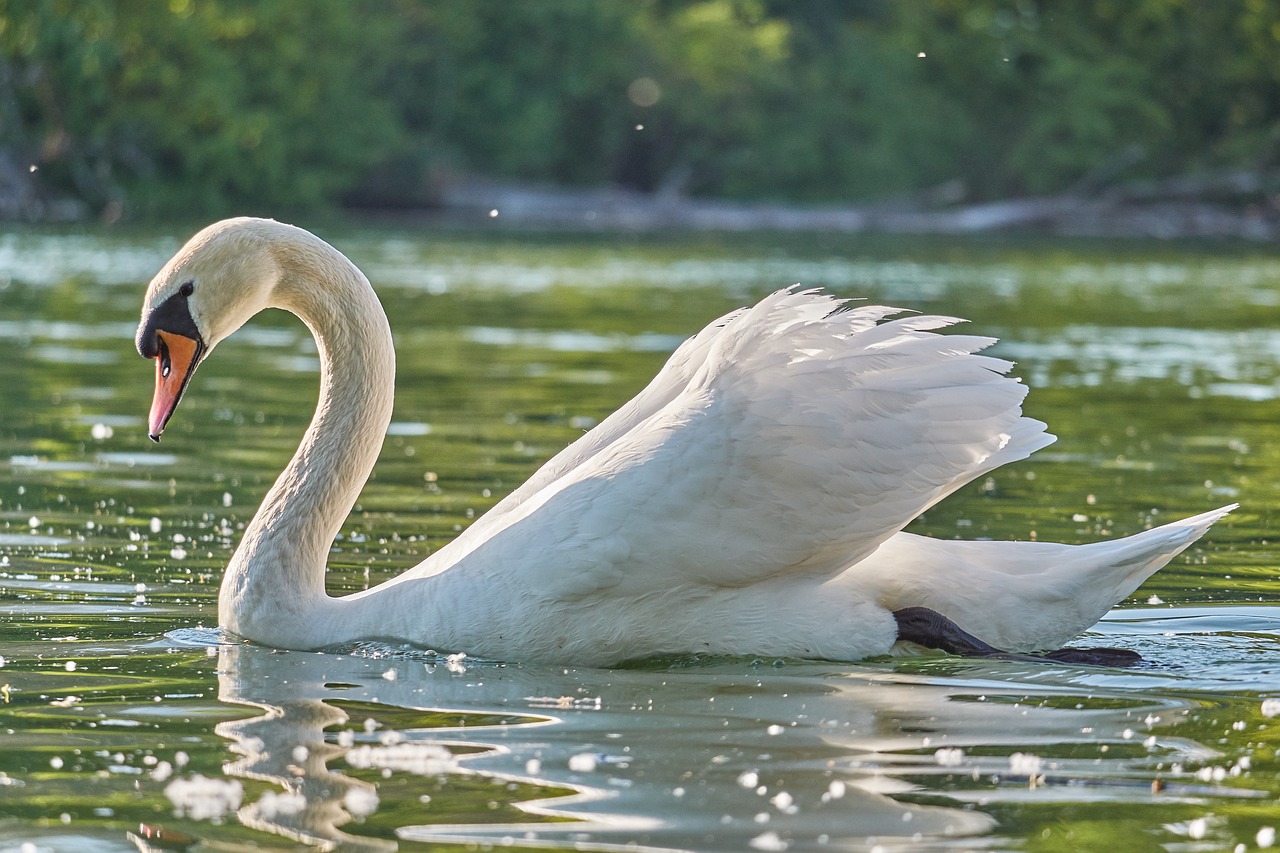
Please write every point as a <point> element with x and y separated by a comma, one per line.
<point>127,721</point>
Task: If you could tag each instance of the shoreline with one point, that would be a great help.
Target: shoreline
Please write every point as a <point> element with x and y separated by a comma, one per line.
<point>1229,206</point>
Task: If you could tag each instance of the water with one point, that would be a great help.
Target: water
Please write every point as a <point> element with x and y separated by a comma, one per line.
<point>129,722</point>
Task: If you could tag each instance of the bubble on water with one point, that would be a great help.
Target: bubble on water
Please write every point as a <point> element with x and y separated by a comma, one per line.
<point>70,666</point>
<point>1271,707</point>
<point>775,729</point>
<point>1155,599</point>
<point>346,738</point>
<point>423,759</point>
<point>360,802</point>
<point>178,553</point>
<point>272,804</point>
<point>300,753</point>
<point>749,779</point>
<point>1266,837</point>
<point>1024,764</point>
<point>202,798</point>
<point>33,522</point>
<point>784,802</point>
<point>768,841</point>
<point>155,524</point>
<point>948,757</point>
<point>583,762</point>
<point>55,763</point>
<point>1211,774</point>
<point>226,499</point>
<point>101,432</point>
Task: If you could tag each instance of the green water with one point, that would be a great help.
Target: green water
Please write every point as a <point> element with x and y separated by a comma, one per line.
<point>1157,366</point>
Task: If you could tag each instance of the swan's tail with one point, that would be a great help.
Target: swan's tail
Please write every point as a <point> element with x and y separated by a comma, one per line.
<point>1025,596</point>
<point>1143,554</point>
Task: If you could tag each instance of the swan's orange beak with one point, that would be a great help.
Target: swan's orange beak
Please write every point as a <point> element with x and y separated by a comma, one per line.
<point>176,359</point>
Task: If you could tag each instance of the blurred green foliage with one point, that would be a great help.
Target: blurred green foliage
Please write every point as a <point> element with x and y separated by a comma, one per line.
<point>208,106</point>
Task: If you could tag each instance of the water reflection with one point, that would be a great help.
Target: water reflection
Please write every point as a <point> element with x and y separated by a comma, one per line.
<point>299,735</point>
<point>1226,362</point>
<point>731,755</point>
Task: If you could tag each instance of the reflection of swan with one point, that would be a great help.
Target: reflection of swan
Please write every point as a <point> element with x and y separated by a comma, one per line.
<point>749,500</point>
<point>286,746</point>
<point>684,756</point>
<point>673,744</point>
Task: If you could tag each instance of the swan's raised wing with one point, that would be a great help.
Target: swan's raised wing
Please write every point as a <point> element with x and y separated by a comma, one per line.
<point>804,437</point>
<point>661,390</point>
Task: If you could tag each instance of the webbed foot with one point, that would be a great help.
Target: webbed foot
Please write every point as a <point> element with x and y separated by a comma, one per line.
<point>931,629</point>
<point>1101,656</point>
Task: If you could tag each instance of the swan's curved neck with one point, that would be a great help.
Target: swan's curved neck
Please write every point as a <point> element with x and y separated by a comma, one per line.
<point>274,584</point>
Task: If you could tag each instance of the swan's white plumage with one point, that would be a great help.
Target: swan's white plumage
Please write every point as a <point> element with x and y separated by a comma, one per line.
<point>795,446</point>
<point>749,500</point>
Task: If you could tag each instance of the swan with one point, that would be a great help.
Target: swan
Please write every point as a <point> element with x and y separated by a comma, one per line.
<point>750,500</point>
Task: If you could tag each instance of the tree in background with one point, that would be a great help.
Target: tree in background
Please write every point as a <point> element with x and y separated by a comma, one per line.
<point>1057,93</point>
<point>215,106</point>
<point>194,106</point>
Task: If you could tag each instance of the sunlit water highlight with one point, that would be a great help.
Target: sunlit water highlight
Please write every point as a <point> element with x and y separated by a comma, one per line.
<point>129,722</point>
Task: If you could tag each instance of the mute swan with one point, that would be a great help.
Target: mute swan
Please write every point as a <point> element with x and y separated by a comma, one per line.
<point>750,500</point>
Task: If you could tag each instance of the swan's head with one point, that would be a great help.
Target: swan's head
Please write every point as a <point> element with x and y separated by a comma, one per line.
<point>220,278</point>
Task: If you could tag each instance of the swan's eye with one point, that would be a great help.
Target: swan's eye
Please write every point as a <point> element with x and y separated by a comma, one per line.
<point>187,288</point>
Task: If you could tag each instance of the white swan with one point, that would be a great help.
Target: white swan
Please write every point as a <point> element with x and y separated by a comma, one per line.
<point>749,501</point>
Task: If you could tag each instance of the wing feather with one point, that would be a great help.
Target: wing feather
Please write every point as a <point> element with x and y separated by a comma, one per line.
<point>795,437</point>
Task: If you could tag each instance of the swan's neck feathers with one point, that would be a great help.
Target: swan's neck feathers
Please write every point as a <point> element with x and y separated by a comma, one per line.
<point>276,577</point>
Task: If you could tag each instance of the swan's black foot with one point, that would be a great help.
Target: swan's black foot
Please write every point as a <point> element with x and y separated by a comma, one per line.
<point>1096,657</point>
<point>931,629</point>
